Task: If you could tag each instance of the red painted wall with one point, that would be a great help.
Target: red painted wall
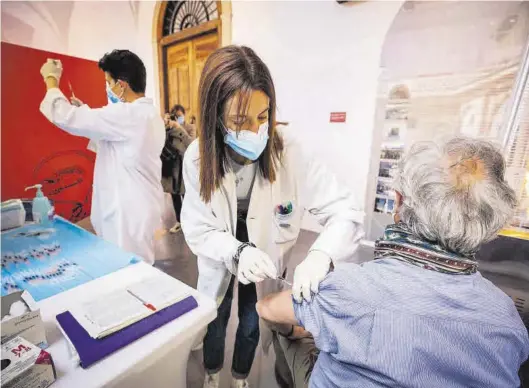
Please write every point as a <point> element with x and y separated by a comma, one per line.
<point>33,149</point>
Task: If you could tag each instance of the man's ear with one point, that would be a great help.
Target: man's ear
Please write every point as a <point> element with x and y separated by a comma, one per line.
<point>398,200</point>
<point>124,85</point>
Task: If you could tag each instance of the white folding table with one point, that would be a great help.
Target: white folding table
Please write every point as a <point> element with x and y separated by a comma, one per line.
<point>157,360</point>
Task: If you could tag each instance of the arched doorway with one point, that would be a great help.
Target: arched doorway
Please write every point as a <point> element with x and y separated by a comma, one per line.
<point>187,32</point>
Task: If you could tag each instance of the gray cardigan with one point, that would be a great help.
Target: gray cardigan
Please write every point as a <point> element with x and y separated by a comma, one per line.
<point>180,137</point>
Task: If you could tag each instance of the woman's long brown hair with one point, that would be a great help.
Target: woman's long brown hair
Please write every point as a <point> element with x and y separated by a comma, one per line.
<point>228,71</point>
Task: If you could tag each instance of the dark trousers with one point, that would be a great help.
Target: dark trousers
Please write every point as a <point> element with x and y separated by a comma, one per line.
<point>295,360</point>
<point>247,336</point>
<point>177,203</point>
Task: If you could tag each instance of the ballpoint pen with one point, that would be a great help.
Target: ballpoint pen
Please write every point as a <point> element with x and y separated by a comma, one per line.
<point>145,303</point>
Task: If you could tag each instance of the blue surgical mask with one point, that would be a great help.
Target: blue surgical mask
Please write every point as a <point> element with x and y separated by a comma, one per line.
<point>247,143</point>
<point>181,120</point>
<point>112,98</point>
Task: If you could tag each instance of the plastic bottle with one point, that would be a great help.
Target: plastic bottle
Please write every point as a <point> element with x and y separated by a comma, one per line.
<point>43,212</point>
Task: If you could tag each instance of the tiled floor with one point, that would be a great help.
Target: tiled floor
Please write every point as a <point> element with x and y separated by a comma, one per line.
<point>175,258</point>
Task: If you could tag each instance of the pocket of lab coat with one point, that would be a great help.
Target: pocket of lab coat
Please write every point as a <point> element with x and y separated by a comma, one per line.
<point>287,226</point>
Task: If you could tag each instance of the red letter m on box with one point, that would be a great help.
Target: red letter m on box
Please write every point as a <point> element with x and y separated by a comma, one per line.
<point>20,349</point>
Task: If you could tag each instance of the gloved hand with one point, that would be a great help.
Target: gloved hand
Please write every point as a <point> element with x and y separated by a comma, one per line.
<point>308,275</point>
<point>52,68</point>
<point>255,266</point>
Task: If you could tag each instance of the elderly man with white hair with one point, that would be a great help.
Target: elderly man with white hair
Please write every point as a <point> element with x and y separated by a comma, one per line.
<point>420,314</point>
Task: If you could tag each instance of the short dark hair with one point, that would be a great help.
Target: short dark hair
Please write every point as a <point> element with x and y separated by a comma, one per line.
<point>177,108</point>
<point>126,66</point>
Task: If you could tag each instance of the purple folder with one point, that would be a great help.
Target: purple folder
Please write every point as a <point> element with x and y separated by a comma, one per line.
<point>91,350</point>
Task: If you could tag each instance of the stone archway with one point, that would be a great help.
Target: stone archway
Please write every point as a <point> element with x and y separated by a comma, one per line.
<point>186,32</point>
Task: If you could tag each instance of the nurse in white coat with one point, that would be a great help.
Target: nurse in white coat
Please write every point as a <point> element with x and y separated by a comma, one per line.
<point>129,135</point>
<point>247,187</point>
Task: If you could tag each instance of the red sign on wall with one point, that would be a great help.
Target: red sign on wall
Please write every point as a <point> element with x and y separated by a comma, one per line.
<point>338,117</point>
<point>35,151</point>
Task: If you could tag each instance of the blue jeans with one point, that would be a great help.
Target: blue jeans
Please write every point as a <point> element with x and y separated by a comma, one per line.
<point>247,336</point>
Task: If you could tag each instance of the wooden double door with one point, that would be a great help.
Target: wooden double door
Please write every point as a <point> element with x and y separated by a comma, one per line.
<point>184,62</point>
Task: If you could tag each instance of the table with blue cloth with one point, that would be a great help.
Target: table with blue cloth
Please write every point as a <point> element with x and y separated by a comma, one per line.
<point>47,260</point>
<point>62,265</point>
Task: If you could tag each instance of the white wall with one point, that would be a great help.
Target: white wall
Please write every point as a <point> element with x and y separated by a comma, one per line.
<point>84,29</point>
<point>323,57</point>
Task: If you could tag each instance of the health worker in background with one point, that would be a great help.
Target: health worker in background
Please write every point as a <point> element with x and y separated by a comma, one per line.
<point>129,135</point>
<point>247,187</point>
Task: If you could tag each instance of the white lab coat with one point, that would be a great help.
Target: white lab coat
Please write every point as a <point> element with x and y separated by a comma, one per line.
<point>209,229</point>
<point>127,192</point>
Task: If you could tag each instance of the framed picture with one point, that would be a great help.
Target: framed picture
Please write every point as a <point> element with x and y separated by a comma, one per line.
<point>384,188</point>
<point>394,133</point>
<point>397,113</point>
<point>384,205</point>
<point>391,154</point>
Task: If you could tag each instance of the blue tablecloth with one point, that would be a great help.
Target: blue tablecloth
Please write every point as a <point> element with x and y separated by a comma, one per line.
<point>49,260</point>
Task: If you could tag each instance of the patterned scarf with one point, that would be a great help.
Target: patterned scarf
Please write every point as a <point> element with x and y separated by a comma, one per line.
<point>399,243</point>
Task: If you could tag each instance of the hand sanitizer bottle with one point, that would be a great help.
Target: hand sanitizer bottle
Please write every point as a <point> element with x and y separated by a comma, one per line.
<point>43,212</point>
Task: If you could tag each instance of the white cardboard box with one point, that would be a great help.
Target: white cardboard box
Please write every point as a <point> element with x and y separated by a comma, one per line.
<point>28,325</point>
<point>13,214</point>
<point>25,365</point>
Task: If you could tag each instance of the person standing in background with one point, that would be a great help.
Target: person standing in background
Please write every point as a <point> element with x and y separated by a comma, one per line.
<point>179,135</point>
<point>129,136</point>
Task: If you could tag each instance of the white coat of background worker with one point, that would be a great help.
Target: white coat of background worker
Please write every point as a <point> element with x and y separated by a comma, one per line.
<point>129,135</point>
<point>247,187</point>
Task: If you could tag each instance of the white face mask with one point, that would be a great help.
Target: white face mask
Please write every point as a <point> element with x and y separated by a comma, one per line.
<point>112,97</point>
<point>247,143</point>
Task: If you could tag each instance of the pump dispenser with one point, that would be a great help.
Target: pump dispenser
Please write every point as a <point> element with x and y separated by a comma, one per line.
<point>42,210</point>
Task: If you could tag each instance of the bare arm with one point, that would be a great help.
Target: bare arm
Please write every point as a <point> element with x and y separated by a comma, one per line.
<point>277,308</point>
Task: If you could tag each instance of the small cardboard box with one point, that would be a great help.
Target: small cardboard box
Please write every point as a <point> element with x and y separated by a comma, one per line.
<point>25,365</point>
<point>28,325</point>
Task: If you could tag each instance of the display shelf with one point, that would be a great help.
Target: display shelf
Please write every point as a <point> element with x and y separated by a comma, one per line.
<point>383,196</point>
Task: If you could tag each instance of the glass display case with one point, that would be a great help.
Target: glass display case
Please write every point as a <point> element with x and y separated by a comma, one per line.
<point>451,68</point>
